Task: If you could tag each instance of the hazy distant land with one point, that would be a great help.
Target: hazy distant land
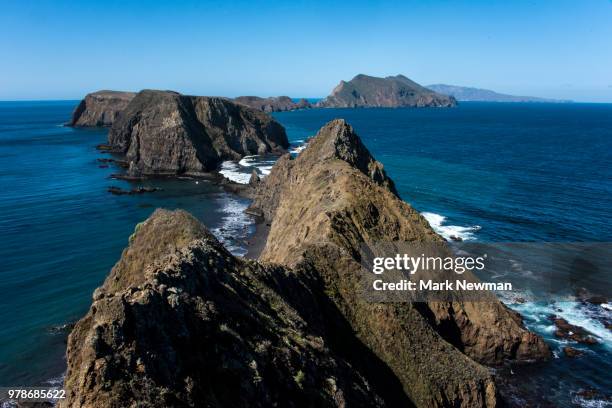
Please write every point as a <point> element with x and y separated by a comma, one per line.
<point>468,94</point>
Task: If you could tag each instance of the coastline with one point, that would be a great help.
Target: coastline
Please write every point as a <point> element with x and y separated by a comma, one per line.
<point>514,390</point>
<point>257,241</point>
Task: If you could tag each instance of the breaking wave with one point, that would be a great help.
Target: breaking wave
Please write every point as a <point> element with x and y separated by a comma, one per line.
<point>450,232</point>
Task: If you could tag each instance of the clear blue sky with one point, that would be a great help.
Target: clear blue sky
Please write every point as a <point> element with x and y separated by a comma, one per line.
<point>64,49</point>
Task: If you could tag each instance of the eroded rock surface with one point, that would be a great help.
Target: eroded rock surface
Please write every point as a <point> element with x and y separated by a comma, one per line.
<point>182,322</point>
<point>325,204</point>
<point>163,132</point>
<point>100,108</point>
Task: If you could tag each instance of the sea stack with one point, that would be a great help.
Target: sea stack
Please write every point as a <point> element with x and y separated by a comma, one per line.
<point>364,91</point>
<point>182,322</point>
<point>100,109</point>
<point>166,133</point>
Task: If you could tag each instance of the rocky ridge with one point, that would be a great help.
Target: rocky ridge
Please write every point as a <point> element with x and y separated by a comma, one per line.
<point>364,91</point>
<point>273,103</point>
<point>164,132</point>
<point>322,210</point>
<point>100,108</point>
<point>182,322</point>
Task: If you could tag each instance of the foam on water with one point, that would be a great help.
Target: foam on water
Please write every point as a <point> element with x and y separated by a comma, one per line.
<point>241,172</point>
<point>234,172</point>
<point>576,313</point>
<point>247,161</point>
<point>298,149</point>
<point>595,403</point>
<point>450,231</point>
<point>589,317</point>
<point>235,224</point>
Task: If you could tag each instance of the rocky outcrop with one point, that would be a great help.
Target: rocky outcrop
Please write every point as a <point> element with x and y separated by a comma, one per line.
<point>163,132</point>
<point>182,322</point>
<point>323,207</point>
<point>100,108</point>
<point>365,91</point>
<point>273,103</point>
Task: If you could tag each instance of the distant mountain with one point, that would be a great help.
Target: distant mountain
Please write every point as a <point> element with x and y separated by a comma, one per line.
<point>365,91</point>
<point>464,93</point>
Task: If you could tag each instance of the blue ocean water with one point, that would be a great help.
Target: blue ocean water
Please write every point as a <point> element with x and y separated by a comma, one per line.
<point>506,173</point>
<point>485,172</point>
<point>522,172</point>
<point>61,231</point>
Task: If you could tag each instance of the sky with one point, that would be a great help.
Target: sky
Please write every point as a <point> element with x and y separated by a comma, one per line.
<point>65,49</point>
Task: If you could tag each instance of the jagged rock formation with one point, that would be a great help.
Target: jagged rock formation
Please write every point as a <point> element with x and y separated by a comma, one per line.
<point>100,108</point>
<point>322,210</point>
<point>365,91</point>
<point>273,103</point>
<point>164,132</point>
<point>464,93</point>
<point>182,322</point>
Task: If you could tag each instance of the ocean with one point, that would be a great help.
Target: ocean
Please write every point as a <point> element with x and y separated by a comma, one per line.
<point>481,172</point>
<point>62,231</point>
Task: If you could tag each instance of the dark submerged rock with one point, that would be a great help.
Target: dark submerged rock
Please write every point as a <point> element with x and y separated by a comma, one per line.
<point>565,330</point>
<point>136,190</point>
<point>572,352</point>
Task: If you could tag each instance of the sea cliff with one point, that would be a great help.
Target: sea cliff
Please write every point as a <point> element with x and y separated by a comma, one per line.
<point>182,322</point>
<point>100,109</point>
<point>166,133</point>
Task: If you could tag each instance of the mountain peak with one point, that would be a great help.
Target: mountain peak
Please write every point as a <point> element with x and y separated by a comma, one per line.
<point>338,140</point>
<point>364,91</point>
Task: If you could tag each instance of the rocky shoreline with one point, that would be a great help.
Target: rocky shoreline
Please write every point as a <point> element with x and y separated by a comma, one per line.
<point>319,247</point>
<point>169,285</point>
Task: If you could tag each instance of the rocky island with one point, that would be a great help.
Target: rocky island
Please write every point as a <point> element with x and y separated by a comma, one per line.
<point>182,322</point>
<point>166,133</point>
<point>100,109</point>
<point>364,91</point>
<point>273,104</point>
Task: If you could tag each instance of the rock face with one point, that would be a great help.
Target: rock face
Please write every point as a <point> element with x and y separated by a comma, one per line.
<point>182,322</point>
<point>323,207</point>
<point>163,132</point>
<point>365,91</point>
<point>100,108</point>
<point>272,104</point>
